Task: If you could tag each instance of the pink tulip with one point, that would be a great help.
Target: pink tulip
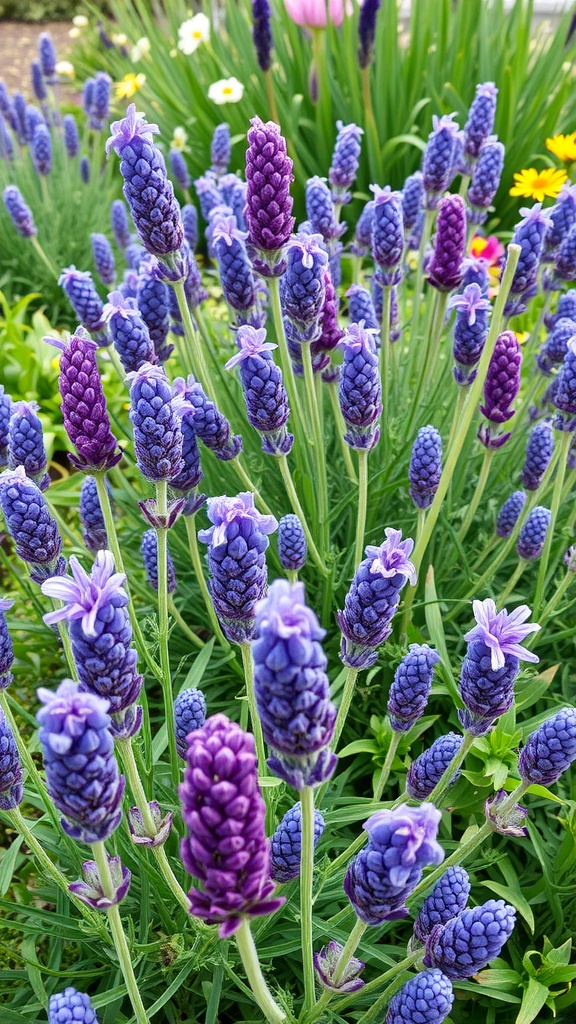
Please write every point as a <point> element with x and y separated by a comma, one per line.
<point>314,13</point>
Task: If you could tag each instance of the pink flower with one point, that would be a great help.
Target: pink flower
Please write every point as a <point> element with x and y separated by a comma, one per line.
<point>314,13</point>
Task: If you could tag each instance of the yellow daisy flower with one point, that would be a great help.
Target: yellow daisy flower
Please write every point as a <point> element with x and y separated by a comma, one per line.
<point>129,85</point>
<point>533,184</point>
<point>563,146</point>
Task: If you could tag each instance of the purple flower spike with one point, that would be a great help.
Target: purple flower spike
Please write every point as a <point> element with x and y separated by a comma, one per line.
<point>367,31</point>
<point>26,443</point>
<point>480,123</point>
<point>81,770</point>
<point>470,331</point>
<point>85,301</point>
<point>411,686</point>
<point>84,411</point>
<point>492,663</point>
<point>401,843</point>
<point>85,169</point>
<point>325,963</point>
<point>147,189</point>
<point>425,999</point>
<point>6,650</point>
<point>149,552</point>
<point>38,83</point>
<point>129,333</point>
<point>264,391</point>
<point>47,54</point>
<point>437,159</point>
<point>566,308</point>
<point>41,149</point>
<point>31,525</point>
<point>34,117</point>
<point>153,302</point>
<point>485,180</point>
<point>565,390</point>
<point>103,258</point>
<point>529,234</point>
<point>189,715</point>
<point>262,33</point>
<point>268,201</point>
<point>11,781</point>
<point>224,812</point>
<point>119,223</point>
<point>550,750</point>
<point>387,234</point>
<point>71,1007</point>
<point>425,467</point>
<point>373,599</point>
<point>212,428</point>
<point>363,233</point>
<point>360,389</point>
<point>179,169</point>
<point>71,140</point>
<point>236,274</point>
<point>445,268</point>
<point>302,289</point>
<point>533,534</point>
<point>412,199</point>
<point>427,770</point>
<point>345,161</point>
<point>467,943</point>
<point>19,212</point>
<point>237,544</point>
<point>539,451</point>
<point>562,219</point>
<point>190,224</point>
<point>157,431</point>
<point>320,210</point>
<point>447,899</point>
<point>361,307</point>
<point>553,351</point>
<point>510,513</point>
<point>187,481</point>
<point>5,413</point>
<point>500,388</point>
<point>220,149</point>
<point>286,844</point>
<point>292,547</point>
<point>331,332</point>
<point>292,688</point>
<point>565,260</point>
<point>100,101</point>
<point>93,525</point>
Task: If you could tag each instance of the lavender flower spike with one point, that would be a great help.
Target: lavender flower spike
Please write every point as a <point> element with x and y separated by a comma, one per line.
<point>373,599</point>
<point>360,389</point>
<point>303,291</point>
<point>268,209</point>
<point>5,413</point>
<point>157,431</point>
<point>411,686</point>
<point>93,525</point>
<point>425,466</point>
<point>509,513</point>
<point>152,300</point>
<point>447,899</point>
<point>119,223</point>
<point>189,715</point>
<point>220,149</point>
<point>84,299</point>
<point>237,544</point>
<point>401,842</point>
<point>11,782</point>
<point>480,123</point>
<point>236,274</point>
<point>532,536</point>
<point>264,391</point>
<point>345,161</point>
<point>103,258</point>
<point>470,331</point>
<point>41,149</point>
<point>550,750</point>
<point>71,1007</point>
<point>185,484</point>
<point>426,771</point>
<point>500,388</point>
<point>445,269</point>
<point>387,235</point>
<point>412,196</point>
<point>129,333</point>
<point>529,234</point>
<point>262,33</point>
<point>485,180</point>
<point>84,411</point>
<point>292,546</point>
<point>71,140</point>
<point>367,31</point>
<point>221,799</point>
<point>26,443</point>
<point>30,523</point>
<point>19,212</point>
<point>437,159</point>
<point>539,451</point>
<point>179,169</point>
<point>6,649</point>
<point>212,428</point>
<point>468,942</point>
<point>425,999</point>
<point>149,552</point>
<point>47,54</point>
<point>81,770</point>
<point>565,390</point>
<point>286,843</point>
<point>292,688</point>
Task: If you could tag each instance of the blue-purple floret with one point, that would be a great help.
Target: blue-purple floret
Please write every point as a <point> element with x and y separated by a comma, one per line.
<point>149,552</point>
<point>532,536</point>
<point>550,750</point>
<point>190,224</point>
<point>564,397</point>
<point>539,451</point>
<point>426,771</point>
<point>485,181</point>
<point>264,391</point>
<point>411,686</point>
<point>220,149</point>
<point>179,169</point>
<point>189,715</point>
<point>119,223</point>
<point>425,999</point>
<point>19,212</point>
<point>38,83</point>
<point>412,198</point>
<point>565,258</point>
<point>292,546</point>
<point>360,388</point>
<point>6,649</point>
<point>286,844</point>
<point>553,351</point>
<point>129,332</point>
<point>71,1007</point>
<point>47,55</point>
<point>362,242</point>
<point>387,235</point>
<point>262,33</point>
<point>562,218</point>
<point>437,159</point>
<point>103,258</point>
<point>529,235</point>
<point>100,100</point>
<point>41,149</point>
<point>71,140</point>
<point>302,288</point>
<point>345,161</point>
<point>236,273</point>
<point>510,513</point>
<point>320,209</point>
<point>31,525</point>
<point>91,517</point>
<point>185,484</point>
<point>480,121</point>
<point>447,899</point>
<point>153,302</point>
<point>467,943</point>
<point>367,31</point>
<point>5,413</point>
<point>84,299</point>
<point>11,780</point>
<point>361,307</point>
<point>26,443</point>
<point>425,468</point>
<point>33,118</point>
<point>156,425</point>
<point>211,426</point>
<point>470,331</point>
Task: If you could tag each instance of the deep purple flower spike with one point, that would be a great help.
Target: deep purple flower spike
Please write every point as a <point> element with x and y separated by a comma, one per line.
<point>189,715</point>
<point>425,999</point>
<point>11,781</point>
<point>425,468</point>
<point>31,525</point>
<point>447,899</point>
<point>373,599</point>
<point>85,169</point>
<point>480,123</point>
<point>264,391</point>
<point>292,688</point>
<point>212,428</point>
<point>157,430</point>
<point>367,31</point>
<point>91,517</point>
<point>268,201</point>
<point>85,301</point>
<point>262,33</point>
<point>6,649</point>
<point>387,235</point>
<point>19,212</point>
<point>292,547</point>
<point>532,536</point>
<point>84,411</point>
<point>445,268</point>
<point>26,443</point>
<point>71,1007</point>
<point>129,333</point>
<point>236,274</point>
<point>529,234</point>
<point>470,331</point>
<point>220,798</point>
<point>492,663</point>
<point>539,451</point>
<point>510,513</point>
<point>237,543</point>
<point>467,943</point>
<point>411,686</point>
<point>103,258</point>
<point>550,750</point>
<point>437,159</point>
<point>485,180</point>
<point>500,388</point>
<point>345,161</point>
<point>81,770</point>
<point>401,843</point>
<point>286,843</point>
<point>360,389</point>
<point>426,771</point>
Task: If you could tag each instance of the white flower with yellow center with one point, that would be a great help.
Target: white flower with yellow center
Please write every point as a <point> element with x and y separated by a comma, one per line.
<point>179,138</point>
<point>65,69</point>
<point>120,39</point>
<point>140,49</point>
<point>80,21</point>
<point>227,90</point>
<point>75,32</point>
<point>193,32</point>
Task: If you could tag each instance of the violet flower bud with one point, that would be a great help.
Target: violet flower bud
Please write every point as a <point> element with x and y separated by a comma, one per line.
<point>286,844</point>
<point>103,258</point>
<point>533,534</point>
<point>119,223</point>
<point>539,451</point>
<point>325,963</point>
<point>367,31</point>
<point>91,517</point>
<point>475,271</point>
<point>268,201</point>
<point>81,770</point>
<point>550,750</point>
<point>19,117</point>
<point>426,997</point>
<point>38,83</point>
<point>330,330</point>
<point>236,273</point>
<point>6,649</point>
<point>437,159</point>
<point>564,397</point>
<point>481,115</point>
<point>147,189</point>
<point>303,288</point>
<point>501,387</point>
<point>412,200</point>
<point>100,105</point>
<point>401,843</point>
<point>264,391</point>
<point>510,513</point>
<point>360,389</point>
<point>157,431</point>
<point>553,351</point>
<point>492,663</point>
<point>425,772</point>
<point>221,798</point>
<point>562,219</point>
<point>208,193</point>
<point>84,411</point>
<point>363,234</point>
<point>345,161</point>
<point>26,443</point>
<point>387,235</point>
<point>129,333</point>
<point>190,224</point>
<point>292,546</point>
<point>179,169</point>
<point>529,235</point>
<point>47,55</point>
<point>566,308</point>
<point>262,33</point>
<point>6,144</point>
<point>373,599</point>
<point>185,484</point>
<point>5,413</point>
<point>220,149</point>
<point>41,149</point>
<point>425,467</point>
<point>565,260</point>
<point>189,715</point>
<point>411,686</point>
<point>320,210</point>
<point>85,301</point>
<point>485,180</point>
<point>71,140</point>
<point>19,212</point>
<point>470,331</point>
<point>447,899</point>
<point>71,1007</point>
<point>445,268</point>
<point>467,943</point>
<point>31,525</point>
<point>153,302</point>
<point>149,552</point>
<point>134,254</point>
<point>237,544</point>
<point>33,118</point>
<point>212,428</point>
<point>291,687</point>
<point>11,781</point>
<point>85,169</point>
<point>361,307</point>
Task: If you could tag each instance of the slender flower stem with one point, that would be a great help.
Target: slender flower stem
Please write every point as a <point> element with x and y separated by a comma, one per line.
<point>340,430</point>
<point>183,625</point>
<point>163,630</point>
<point>193,342</point>
<point>390,755</point>
<point>246,480</point>
<point>246,651</point>
<point>512,582</point>
<point>362,503</point>
<point>300,427</point>
<point>454,426</point>
<point>199,571</point>
<point>564,447</point>
<point>396,973</point>
<point>478,492</point>
<point>385,358</point>
<point>370,122</point>
<point>249,956</point>
<point>306,878</point>
<point>273,110</point>
<point>297,508</point>
<point>464,183</point>
<point>555,599</point>
<point>45,259</point>
<point>319,453</point>
<point>65,641</point>
<point>347,694</point>
<point>417,295</point>
<point>446,779</point>
<point>415,398</point>
<point>120,943</point>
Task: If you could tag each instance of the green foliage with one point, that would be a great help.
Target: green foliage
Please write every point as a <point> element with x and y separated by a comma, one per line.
<point>39,10</point>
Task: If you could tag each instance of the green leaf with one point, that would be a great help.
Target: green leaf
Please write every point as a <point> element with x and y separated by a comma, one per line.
<point>515,897</point>
<point>533,1000</point>
<point>360,747</point>
<point>7,864</point>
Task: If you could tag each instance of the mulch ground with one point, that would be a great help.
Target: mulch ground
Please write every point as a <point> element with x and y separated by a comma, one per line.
<point>19,47</point>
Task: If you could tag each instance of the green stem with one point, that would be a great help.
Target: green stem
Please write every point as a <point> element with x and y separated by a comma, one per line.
<point>347,694</point>
<point>183,625</point>
<point>45,259</point>
<point>120,943</point>
<point>341,430</point>
<point>306,904</point>
<point>65,641</point>
<point>390,755</point>
<point>190,522</point>
<point>447,777</point>
<point>319,452</point>
<point>341,965</point>
<point>323,105</point>
<point>478,492</point>
<point>298,423</point>
<point>370,121</point>
<point>246,480</point>
<point>396,974</point>
<point>249,956</point>
<point>564,447</point>
<point>163,631</point>
<point>362,504</point>
<point>270,97</point>
<point>385,357</point>
<point>512,582</point>
<point>454,426</point>
<point>193,342</point>
<point>415,398</point>
<point>299,511</point>
<point>246,651</point>
<point>556,598</point>
<point>464,183</point>
<point>417,295</point>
